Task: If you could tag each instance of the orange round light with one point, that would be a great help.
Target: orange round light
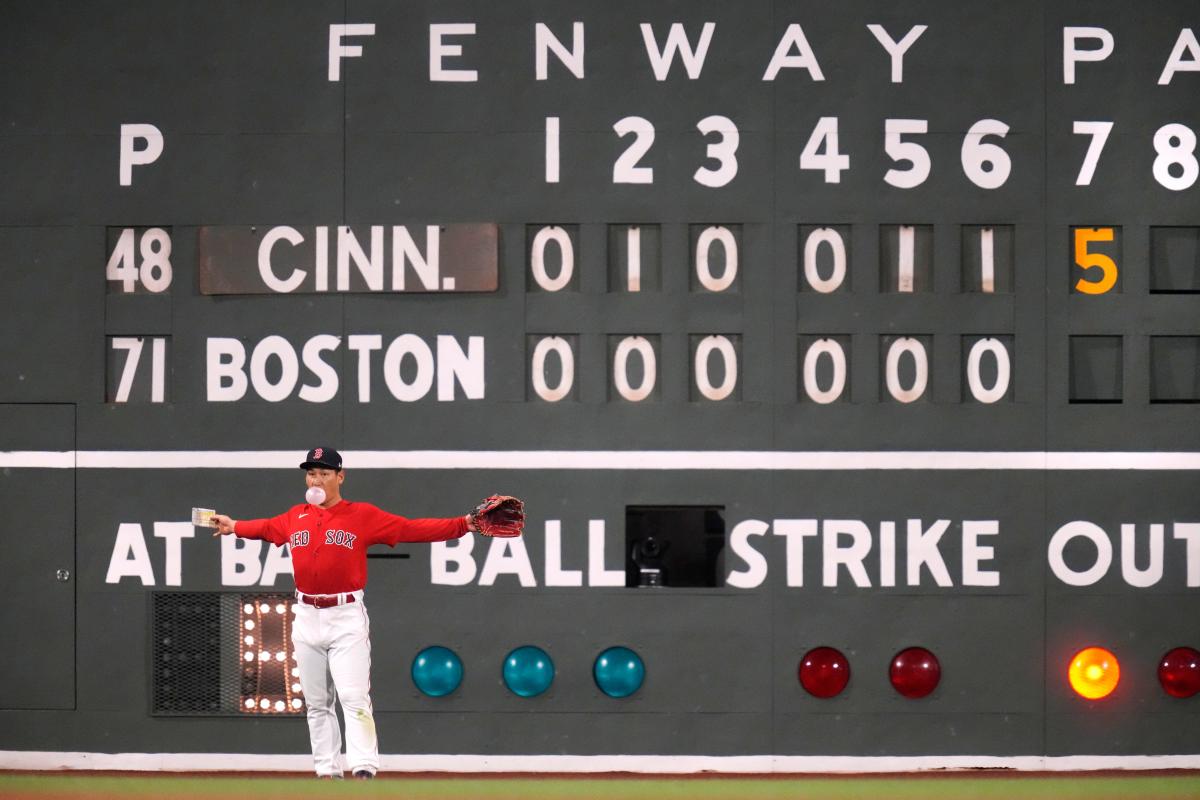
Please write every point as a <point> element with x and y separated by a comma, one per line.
<point>1094,673</point>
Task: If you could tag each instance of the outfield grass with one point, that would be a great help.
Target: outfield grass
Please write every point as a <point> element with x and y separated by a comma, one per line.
<point>1091,787</point>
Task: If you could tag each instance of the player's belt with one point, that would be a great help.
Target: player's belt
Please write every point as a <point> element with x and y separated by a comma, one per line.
<point>325,600</point>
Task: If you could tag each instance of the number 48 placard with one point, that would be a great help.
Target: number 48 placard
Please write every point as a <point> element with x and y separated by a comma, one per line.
<point>139,255</point>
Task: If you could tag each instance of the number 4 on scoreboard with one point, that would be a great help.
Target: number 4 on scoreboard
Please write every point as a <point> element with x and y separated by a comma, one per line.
<point>831,161</point>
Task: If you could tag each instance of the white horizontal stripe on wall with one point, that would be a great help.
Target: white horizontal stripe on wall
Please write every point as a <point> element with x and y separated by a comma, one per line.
<point>492,460</point>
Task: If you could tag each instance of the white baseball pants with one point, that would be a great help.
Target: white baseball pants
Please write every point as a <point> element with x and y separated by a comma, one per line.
<point>333,652</point>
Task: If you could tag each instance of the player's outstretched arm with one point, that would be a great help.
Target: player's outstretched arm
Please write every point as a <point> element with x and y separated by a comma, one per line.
<point>223,524</point>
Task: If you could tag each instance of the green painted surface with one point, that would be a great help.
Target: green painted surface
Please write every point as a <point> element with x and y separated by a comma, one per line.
<point>943,788</point>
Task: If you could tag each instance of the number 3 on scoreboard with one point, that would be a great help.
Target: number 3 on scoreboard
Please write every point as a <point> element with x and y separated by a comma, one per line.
<point>1087,260</point>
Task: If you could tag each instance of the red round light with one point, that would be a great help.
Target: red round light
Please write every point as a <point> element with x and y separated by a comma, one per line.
<point>1179,672</point>
<point>824,672</point>
<point>915,672</point>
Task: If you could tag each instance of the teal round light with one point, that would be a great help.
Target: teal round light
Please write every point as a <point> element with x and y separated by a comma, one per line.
<point>528,671</point>
<point>437,671</point>
<point>619,672</point>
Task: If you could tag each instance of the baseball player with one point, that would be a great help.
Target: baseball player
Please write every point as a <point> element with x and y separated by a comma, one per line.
<point>328,538</point>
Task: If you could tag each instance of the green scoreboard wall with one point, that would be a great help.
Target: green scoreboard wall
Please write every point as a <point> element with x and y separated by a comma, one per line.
<point>882,317</point>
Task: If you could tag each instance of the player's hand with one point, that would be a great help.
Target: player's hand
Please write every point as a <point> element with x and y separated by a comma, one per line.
<point>223,524</point>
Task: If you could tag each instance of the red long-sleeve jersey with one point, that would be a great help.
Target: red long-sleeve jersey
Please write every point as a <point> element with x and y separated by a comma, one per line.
<point>329,546</point>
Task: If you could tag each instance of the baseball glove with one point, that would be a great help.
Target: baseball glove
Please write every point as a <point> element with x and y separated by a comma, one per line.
<point>499,515</point>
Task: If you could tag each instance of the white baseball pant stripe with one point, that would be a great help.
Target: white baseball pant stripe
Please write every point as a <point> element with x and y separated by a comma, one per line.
<point>333,652</point>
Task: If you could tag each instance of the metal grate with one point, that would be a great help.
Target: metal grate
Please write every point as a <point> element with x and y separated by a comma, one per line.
<point>221,653</point>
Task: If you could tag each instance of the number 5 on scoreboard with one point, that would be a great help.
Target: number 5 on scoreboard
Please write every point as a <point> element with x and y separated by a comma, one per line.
<point>1087,260</point>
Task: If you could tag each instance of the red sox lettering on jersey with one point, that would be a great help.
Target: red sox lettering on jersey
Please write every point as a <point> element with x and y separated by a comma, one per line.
<point>341,538</point>
<point>334,560</point>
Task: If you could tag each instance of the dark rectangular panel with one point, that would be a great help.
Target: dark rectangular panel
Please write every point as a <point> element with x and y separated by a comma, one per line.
<point>674,546</point>
<point>1096,369</point>
<point>51,328</point>
<point>38,612</point>
<point>1174,259</point>
<point>1174,369</point>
